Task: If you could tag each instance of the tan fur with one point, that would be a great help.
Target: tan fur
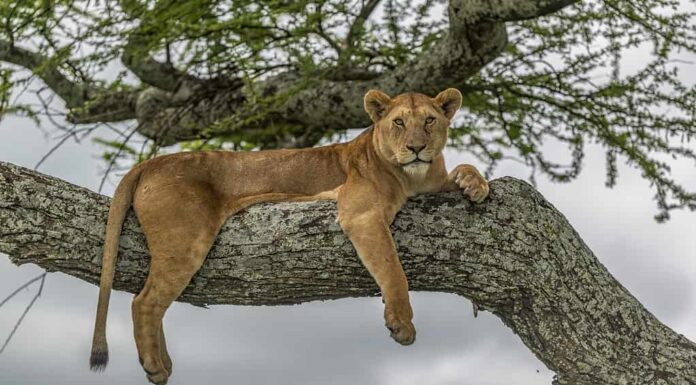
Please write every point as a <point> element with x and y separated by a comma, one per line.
<point>182,200</point>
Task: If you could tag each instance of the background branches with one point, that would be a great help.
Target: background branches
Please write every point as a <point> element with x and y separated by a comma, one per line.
<point>204,74</point>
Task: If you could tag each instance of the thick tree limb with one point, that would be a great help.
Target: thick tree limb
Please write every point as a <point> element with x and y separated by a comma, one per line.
<point>515,255</point>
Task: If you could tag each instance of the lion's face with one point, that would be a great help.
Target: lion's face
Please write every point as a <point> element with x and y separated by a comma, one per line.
<point>411,129</point>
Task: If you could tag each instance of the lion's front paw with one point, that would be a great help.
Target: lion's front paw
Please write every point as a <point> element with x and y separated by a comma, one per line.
<point>471,182</point>
<point>157,377</point>
<point>398,321</point>
<point>155,371</point>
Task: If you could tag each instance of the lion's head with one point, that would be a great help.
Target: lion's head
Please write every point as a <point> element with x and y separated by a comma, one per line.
<point>411,129</point>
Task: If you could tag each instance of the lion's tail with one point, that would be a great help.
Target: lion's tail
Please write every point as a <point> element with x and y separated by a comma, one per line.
<point>117,213</point>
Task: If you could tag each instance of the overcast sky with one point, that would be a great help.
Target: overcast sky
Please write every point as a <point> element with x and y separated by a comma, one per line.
<point>344,341</point>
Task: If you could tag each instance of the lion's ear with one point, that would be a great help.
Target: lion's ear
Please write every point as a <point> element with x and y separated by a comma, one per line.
<point>449,101</point>
<point>376,103</point>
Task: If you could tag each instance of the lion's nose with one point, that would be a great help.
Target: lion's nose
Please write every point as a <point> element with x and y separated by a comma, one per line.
<point>415,149</point>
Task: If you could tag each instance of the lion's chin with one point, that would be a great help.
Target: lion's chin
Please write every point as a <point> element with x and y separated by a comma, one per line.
<point>416,169</point>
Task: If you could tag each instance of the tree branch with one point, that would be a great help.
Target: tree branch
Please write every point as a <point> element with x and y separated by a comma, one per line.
<point>460,53</point>
<point>150,71</point>
<point>179,106</point>
<point>106,106</point>
<point>73,94</point>
<point>87,103</point>
<point>322,33</point>
<point>504,10</point>
<point>475,37</point>
<point>323,104</point>
<point>136,57</point>
<point>514,255</point>
<point>357,27</point>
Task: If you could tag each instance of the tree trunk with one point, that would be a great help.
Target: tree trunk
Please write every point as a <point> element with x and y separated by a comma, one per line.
<point>514,255</point>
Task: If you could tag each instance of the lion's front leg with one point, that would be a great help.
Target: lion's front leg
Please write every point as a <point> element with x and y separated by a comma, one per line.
<point>373,242</point>
<point>467,178</point>
<point>366,223</point>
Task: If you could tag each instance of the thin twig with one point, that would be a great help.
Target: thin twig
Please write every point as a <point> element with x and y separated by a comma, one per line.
<point>54,148</point>
<point>21,288</point>
<point>113,160</point>
<point>21,318</point>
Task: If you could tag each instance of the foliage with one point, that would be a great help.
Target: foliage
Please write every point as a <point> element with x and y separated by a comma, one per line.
<point>564,77</point>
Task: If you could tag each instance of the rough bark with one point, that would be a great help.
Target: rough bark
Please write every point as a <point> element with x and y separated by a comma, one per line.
<point>171,105</point>
<point>515,256</point>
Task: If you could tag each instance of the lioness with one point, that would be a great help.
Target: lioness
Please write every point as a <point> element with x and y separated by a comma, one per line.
<point>182,200</point>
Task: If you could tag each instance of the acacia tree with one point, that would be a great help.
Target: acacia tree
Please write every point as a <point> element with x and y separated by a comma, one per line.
<point>241,75</point>
<point>263,74</point>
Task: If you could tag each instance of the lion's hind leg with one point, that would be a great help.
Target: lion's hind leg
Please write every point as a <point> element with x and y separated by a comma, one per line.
<point>178,249</point>
<point>169,276</point>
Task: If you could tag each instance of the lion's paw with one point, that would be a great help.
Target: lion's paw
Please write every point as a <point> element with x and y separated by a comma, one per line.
<point>155,372</point>
<point>158,378</point>
<point>472,183</point>
<point>400,326</point>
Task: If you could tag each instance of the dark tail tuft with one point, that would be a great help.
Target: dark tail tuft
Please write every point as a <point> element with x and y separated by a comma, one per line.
<point>98,360</point>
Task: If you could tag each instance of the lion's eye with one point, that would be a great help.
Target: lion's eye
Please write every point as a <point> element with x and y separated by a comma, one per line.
<point>398,122</point>
<point>429,120</point>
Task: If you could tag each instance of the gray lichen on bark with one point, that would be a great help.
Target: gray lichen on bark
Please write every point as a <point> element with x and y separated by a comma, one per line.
<point>514,255</point>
